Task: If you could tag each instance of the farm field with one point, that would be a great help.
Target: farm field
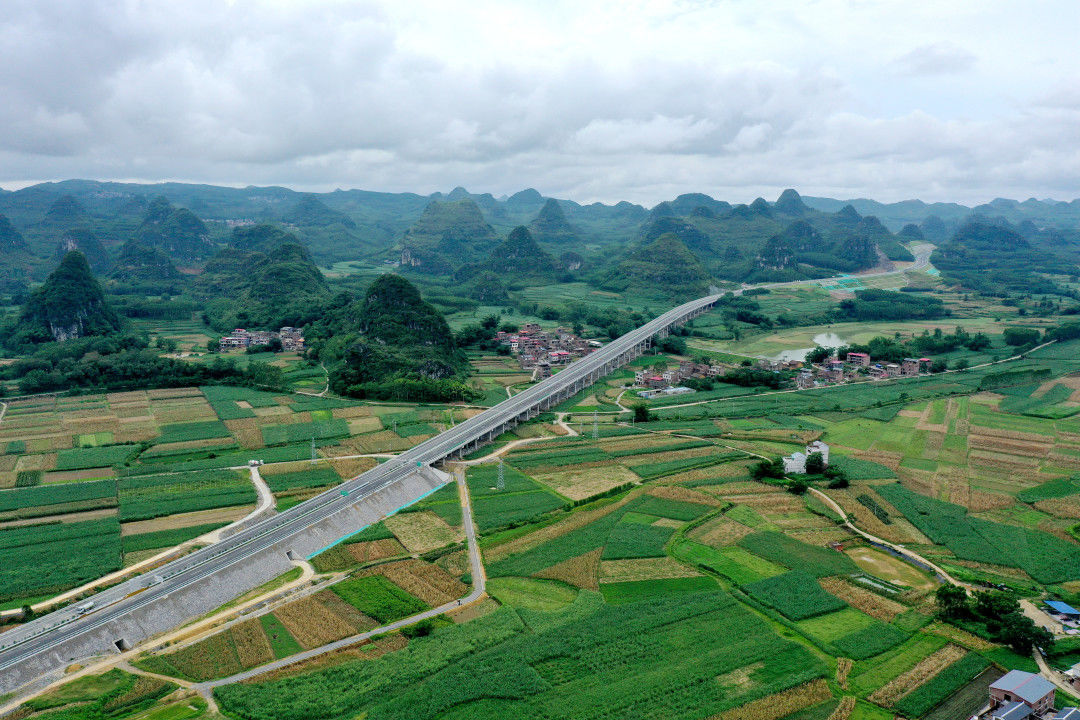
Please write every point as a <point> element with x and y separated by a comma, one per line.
<point>157,463</point>
<point>645,573</point>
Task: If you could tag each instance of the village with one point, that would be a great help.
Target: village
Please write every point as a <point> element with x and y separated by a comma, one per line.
<point>856,366</point>
<point>289,338</point>
<point>539,350</point>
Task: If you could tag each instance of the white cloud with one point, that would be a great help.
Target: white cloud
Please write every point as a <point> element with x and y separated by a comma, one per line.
<point>591,100</point>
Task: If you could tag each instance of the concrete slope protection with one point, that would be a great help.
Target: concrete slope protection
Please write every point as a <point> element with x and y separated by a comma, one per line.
<point>47,641</point>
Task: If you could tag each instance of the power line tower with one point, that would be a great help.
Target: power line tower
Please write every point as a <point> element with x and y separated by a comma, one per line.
<point>500,484</point>
<point>595,426</point>
<point>312,449</point>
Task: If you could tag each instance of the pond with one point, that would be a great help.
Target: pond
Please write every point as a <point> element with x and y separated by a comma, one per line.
<point>825,339</point>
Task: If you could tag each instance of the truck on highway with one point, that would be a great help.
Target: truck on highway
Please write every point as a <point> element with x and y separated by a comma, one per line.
<point>85,607</point>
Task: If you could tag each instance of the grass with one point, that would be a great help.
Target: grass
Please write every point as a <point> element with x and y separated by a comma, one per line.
<point>378,598</point>
<point>282,643</point>
<point>531,593</point>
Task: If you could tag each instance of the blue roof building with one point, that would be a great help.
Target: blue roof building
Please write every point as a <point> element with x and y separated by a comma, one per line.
<point>1062,608</point>
<point>1012,711</point>
<point>1069,713</point>
<point>1034,691</point>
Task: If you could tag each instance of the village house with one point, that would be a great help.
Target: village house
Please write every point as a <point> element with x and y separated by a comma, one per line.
<point>1018,695</point>
<point>1067,713</point>
<point>795,463</point>
<point>858,358</point>
<point>892,370</point>
<point>291,338</point>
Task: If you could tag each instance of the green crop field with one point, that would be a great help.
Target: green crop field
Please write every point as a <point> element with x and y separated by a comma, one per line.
<point>796,595</point>
<point>183,432</point>
<point>786,551</point>
<point>941,686</point>
<point>94,457</point>
<point>149,496</point>
<point>299,432</point>
<point>314,478</point>
<point>43,559</point>
<point>166,538</point>
<point>378,598</point>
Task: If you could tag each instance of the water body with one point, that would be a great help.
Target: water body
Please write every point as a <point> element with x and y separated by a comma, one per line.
<point>825,339</point>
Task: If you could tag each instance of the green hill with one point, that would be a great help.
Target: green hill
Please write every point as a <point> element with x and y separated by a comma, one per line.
<point>11,240</point>
<point>86,242</point>
<point>550,226</point>
<point>65,212</point>
<point>390,343</point>
<point>664,267</point>
<point>177,232</point>
<point>312,211</point>
<point>446,236</point>
<point>140,264</point>
<point>69,304</point>
<point>263,237</point>
<point>520,257</point>
<point>263,288</point>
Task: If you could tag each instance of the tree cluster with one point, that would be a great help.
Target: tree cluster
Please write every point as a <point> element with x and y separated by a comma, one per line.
<point>996,613</point>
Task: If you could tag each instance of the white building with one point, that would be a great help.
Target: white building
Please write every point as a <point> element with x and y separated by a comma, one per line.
<point>795,463</point>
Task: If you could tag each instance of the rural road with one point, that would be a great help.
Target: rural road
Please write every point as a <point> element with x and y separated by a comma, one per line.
<point>479,579</point>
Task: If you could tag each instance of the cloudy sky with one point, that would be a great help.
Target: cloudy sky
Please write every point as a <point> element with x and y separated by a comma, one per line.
<point>604,100</point>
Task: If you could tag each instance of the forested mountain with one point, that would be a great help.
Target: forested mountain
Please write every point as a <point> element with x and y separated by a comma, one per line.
<point>143,265</point>
<point>520,257</point>
<point>550,226</point>
<point>70,304</point>
<point>177,232</point>
<point>265,278</point>
<point>389,342</point>
<point>664,264</point>
<point>446,236</point>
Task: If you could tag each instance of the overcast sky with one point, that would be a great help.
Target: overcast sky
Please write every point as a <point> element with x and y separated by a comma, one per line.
<point>960,100</point>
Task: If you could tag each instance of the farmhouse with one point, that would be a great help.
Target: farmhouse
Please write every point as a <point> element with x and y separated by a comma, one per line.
<point>857,358</point>
<point>796,462</point>
<point>240,339</point>
<point>1068,713</point>
<point>1018,695</point>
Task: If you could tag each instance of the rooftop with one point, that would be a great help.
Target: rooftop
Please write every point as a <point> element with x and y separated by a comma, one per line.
<point>1063,608</point>
<point>1012,711</point>
<point>1026,686</point>
<point>1068,713</point>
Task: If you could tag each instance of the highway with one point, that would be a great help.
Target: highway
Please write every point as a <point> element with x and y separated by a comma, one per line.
<point>54,629</point>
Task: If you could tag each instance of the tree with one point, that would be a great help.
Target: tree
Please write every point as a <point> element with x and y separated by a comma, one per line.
<point>1017,336</point>
<point>797,487</point>
<point>767,469</point>
<point>818,355</point>
<point>952,601</point>
<point>641,413</point>
<point>212,345</point>
<point>490,322</point>
<point>815,463</point>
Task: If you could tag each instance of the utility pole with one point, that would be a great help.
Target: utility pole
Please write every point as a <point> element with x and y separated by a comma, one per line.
<point>312,449</point>
<point>595,427</point>
<point>501,482</point>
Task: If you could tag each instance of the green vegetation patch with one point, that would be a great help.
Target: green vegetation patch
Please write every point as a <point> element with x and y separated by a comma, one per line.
<point>786,551</point>
<point>314,478</point>
<point>166,538</point>
<point>637,590</point>
<point>635,540</point>
<point>1061,487</point>
<point>532,593</point>
<point>796,595</point>
<point>282,643</point>
<point>670,655</point>
<point>44,495</point>
<point>869,641</point>
<point>941,686</point>
<point>186,432</point>
<point>671,467</point>
<point>378,598</point>
<point>94,457</point>
<point>28,478</point>
<point>856,469</point>
<point>520,500</point>
<point>148,496</point>
<point>734,563</point>
<point>46,559</point>
<point>1045,557</point>
<point>298,432</point>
